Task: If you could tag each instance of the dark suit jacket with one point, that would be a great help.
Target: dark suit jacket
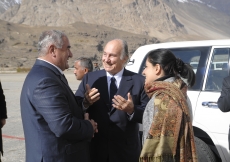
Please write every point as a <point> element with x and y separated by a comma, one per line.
<point>118,137</point>
<point>52,120</point>
<point>2,113</point>
<point>224,99</point>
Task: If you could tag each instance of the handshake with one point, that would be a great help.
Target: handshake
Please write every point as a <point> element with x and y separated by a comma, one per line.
<point>94,124</point>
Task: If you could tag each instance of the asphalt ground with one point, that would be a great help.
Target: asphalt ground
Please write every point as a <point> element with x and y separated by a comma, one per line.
<point>13,136</point>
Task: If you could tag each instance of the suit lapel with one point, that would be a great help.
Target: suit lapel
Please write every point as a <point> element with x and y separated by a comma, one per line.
<point>104,90</point>
<point>101,84</point>
<point>63,79</point>
<point>55,70</point>
<point>125,85</point>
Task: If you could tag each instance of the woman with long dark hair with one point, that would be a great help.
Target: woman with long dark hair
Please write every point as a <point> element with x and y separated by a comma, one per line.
<point>167,121</point>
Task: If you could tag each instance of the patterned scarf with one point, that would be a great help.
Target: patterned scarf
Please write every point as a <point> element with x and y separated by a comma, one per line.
<point>171,137</point>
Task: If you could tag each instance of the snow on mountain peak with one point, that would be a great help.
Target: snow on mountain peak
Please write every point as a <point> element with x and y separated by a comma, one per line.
<point>182,1</point>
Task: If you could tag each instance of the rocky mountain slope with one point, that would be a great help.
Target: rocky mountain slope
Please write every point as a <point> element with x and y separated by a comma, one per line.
<point>90,24</point>
<point>151,17</point>
<point>18,43</point>
<point>200,19</point>
<point>220,5</point>
<point>164,19</point>
<point>6,4</point>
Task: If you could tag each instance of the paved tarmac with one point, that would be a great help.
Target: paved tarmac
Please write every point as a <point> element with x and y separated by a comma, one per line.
<point>13,136</point>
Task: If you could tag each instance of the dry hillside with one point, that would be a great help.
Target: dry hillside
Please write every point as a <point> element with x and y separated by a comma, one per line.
<point>90,24</point>
<point>18,43</point>
<point>200,21</point>
<point>151,17</point>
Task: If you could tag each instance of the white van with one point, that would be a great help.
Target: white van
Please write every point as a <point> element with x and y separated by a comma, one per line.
<point>194,65</point>
<point>210,61</point>
<point>219,65</point>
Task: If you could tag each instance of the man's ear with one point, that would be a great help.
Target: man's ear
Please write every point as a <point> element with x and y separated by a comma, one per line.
<point>86,70</point>
<point>51,50</point>
<point>126,58</point>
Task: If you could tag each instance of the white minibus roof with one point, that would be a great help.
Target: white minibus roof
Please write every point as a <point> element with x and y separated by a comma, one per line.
<point>147,48</point>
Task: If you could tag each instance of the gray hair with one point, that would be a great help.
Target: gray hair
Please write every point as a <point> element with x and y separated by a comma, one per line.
<point>85,63</point>
<point>48,38</point>
<point>124,51</point>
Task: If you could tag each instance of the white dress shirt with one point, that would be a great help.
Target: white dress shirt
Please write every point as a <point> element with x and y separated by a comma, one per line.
<point>117,76</point>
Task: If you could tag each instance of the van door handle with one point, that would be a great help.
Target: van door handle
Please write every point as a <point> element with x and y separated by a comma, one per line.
<point>210,104</point>
<point>131,62</point>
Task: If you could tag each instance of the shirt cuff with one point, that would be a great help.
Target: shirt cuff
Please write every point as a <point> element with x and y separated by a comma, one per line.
<point>84,108</point>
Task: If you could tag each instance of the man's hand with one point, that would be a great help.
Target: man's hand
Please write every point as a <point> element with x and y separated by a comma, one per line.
<point>91,96</point>
<point>123,104</point>
<point>3,122</point>
<point>94,124</point>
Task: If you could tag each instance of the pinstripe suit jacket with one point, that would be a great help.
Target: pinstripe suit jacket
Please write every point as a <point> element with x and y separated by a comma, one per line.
<point>53,123</point>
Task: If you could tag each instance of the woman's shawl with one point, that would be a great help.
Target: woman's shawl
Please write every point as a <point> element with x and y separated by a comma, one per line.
<point>171,136</point>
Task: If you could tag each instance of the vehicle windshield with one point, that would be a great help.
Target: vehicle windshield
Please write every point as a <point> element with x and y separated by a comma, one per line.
<point>196,57</point>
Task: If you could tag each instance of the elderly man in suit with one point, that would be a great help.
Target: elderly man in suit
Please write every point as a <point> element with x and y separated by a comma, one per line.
<point>3,116</point>
<point>54,125</point>
<point>115,98</point>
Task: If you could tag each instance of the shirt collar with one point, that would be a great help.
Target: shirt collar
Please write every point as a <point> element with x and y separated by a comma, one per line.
<point>52,64</point>
<point>117,76</point>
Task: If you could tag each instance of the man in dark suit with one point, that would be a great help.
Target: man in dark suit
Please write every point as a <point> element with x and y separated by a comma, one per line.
<point>3,117</point>
<point>54,125</point>
<point>115,99</point>
<point>82,66</point>
<point>224,100</point>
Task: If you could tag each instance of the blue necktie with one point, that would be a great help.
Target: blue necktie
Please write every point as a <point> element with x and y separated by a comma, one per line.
<point>113,91</point>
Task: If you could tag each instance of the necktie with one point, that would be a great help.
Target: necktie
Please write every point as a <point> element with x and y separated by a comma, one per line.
<point>113,91</point>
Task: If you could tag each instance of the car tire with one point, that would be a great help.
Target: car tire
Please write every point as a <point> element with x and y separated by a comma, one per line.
<point>204,153</point>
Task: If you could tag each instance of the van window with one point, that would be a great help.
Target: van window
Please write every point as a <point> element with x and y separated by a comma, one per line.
<point>194,65</point>
<point>196,57</point>
<point>219,69</point>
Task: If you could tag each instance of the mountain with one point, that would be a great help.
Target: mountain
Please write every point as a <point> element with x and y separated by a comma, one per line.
<point>150,17</point>
<point>220,5</point>
<point>201,19</point>
<point>164,19</point>
<point>6,4</point>
<point>18,42</point>
<point>90,24</point>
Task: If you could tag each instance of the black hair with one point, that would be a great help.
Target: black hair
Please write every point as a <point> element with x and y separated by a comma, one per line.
<point>171,65</point>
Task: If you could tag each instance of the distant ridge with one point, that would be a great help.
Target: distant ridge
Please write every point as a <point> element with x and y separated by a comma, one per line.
<point>18,42</point>
<point>6,4</point>
<point>164,19</point>
<point>90,24</point>
<point>140,17</point>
